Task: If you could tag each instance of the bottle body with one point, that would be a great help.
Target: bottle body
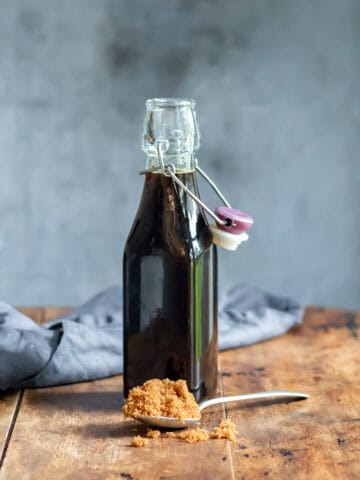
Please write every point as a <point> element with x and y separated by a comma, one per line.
<point>170,290</point>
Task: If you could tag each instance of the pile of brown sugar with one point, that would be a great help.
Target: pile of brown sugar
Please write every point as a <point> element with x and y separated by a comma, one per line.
<point>165,398</point>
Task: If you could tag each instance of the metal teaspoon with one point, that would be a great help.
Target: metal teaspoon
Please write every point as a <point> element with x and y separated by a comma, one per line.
<point>169,422</point>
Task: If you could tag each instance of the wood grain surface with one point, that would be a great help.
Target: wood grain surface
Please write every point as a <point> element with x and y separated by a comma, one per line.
<point>78,432</point>
<point>8,406</point>
<point>10,402</point>
<point>318,438</point>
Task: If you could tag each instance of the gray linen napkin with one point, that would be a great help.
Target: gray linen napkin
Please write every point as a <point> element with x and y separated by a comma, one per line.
<point>87,343</point>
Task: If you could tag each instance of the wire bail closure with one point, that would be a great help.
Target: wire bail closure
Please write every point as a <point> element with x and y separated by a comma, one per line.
<point>170,171</point>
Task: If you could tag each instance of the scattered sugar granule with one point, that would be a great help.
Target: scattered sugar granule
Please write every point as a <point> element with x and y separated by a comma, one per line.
<point>192,435</point>
<point>139,441</point>
<point>152,433</point>
<point>226,429</point>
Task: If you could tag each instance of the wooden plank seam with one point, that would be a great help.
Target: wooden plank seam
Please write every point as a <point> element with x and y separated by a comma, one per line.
<point>229,446</point>
<point>11,427</point>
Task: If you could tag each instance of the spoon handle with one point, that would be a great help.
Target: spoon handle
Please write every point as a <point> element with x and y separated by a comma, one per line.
<point>252,396</point>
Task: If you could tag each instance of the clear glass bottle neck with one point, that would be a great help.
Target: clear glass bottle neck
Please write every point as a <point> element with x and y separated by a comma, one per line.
<point>171,123</point>
<point>183,163</point>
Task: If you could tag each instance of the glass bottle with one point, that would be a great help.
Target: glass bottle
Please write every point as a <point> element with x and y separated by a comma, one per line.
<point>170,263</point>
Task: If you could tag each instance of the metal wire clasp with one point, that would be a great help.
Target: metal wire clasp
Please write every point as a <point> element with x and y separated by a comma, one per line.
<point>170,171</point>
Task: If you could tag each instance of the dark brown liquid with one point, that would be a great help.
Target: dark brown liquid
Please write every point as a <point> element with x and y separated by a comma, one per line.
<point>170,290</point>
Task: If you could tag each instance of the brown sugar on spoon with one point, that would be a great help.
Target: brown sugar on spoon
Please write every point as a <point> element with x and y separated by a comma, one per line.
<point>169,398</point>
<point>165,398</point>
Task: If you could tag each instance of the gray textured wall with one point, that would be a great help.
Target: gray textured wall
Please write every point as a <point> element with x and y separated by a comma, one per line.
<point>277,85</point>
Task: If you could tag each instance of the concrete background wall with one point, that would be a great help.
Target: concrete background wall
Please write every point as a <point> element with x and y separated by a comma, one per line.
<point>277,85</point>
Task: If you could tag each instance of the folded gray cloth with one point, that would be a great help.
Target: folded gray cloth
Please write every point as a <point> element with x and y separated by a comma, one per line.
<point>87,343</point>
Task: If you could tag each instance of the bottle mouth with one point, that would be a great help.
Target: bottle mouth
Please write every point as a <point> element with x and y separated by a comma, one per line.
<point>168,103</point>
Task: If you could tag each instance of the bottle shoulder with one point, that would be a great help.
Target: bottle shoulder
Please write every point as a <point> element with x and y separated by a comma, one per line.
<point>168,219</point>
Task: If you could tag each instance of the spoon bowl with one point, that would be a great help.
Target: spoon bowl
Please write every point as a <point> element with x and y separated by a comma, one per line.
<point>175,423</point>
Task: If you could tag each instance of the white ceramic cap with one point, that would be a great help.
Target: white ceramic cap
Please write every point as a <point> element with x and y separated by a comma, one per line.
<point>229,241</point>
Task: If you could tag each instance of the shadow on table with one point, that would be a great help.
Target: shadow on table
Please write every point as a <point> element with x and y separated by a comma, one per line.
<point>73,401</point>
<point>121,429</point>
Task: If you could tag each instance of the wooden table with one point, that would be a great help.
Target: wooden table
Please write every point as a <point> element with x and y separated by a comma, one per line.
<point>78,431</point>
